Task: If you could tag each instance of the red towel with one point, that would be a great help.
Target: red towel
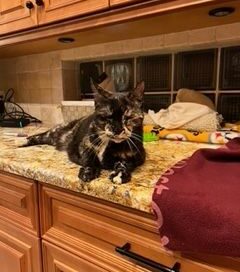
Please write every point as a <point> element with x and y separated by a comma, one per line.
<point>197,202</point>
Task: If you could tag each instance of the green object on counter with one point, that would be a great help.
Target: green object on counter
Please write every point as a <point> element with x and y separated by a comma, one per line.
<point>149,137</point>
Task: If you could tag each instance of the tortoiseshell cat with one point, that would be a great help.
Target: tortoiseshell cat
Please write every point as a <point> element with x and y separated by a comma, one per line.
<point>110,138</point>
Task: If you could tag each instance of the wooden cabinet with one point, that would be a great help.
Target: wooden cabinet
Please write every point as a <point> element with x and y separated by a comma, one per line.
<point>18,14</point>
<point>18,199</point>
<point>82,228</point>
<point>88,18</point>
<point>59,260</point>
<point>20,249</point>
<point>14,15</point>
<point>81,234</point>
<point>89,231</point>
<point>54,10</point>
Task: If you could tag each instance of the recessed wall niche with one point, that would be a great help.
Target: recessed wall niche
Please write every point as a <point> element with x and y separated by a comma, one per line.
<point>164,74</point>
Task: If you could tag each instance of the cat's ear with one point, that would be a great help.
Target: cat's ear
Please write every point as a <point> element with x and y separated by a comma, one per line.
<point>138,92</point>
<point>105,88</point>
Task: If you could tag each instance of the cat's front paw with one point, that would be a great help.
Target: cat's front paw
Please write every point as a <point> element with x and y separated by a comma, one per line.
<point>87,174</point>
<point>120,176</point>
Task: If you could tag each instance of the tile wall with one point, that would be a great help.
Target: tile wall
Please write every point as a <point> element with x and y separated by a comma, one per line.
<point>72,112</point>
<point>42,81</point>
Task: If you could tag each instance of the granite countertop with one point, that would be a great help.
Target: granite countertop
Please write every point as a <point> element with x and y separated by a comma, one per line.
<point>46,164</point>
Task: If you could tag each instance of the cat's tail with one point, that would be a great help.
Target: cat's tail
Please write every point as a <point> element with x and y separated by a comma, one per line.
<point>57,136</point>
<point>38,139</point>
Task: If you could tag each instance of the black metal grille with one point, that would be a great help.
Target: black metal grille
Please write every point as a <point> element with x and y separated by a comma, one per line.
<point>230,68</point>
<point>211,96</point>
<point>229,107</point>
<point>156,102</point>
<point>196,69</point>
<point>155,71</point>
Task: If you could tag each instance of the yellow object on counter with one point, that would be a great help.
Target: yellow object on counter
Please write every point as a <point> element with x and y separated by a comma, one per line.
<point>155,132</point>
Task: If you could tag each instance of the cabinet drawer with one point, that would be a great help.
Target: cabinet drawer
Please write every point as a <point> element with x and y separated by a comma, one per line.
<point>77,223</point>
<point>19,251</point>
<point>18,201</point>
<point>56,259</point>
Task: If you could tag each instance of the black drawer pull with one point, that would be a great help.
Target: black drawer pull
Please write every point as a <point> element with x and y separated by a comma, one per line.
<point>125,250</point>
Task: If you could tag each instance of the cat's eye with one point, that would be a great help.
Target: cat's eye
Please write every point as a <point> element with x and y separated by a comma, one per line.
<point>133,120</point>
<point>100,118</point>
<point>126,117</point>
<point>104,118</point>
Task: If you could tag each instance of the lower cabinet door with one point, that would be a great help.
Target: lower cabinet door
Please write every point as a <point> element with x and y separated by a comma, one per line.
<point>59,260</point>
<point>19,251</point>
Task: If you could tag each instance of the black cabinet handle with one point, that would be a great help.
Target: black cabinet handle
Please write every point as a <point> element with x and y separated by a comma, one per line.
<point>29,5</point>
<point>39,2</point>
<point>125,250</point>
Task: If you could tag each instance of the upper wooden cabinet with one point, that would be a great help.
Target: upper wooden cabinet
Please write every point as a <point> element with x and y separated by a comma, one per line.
<point>54,10</point>
<point>17,15</point>
<point>14,15</point>
<point>49,19</point>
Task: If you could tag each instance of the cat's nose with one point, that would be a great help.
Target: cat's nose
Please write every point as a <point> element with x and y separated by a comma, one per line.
<point>118,131</point>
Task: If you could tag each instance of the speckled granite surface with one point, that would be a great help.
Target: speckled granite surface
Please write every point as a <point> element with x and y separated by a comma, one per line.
<point>44,163</point>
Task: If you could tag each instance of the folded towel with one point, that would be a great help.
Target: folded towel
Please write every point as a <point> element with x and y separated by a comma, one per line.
<point>197,202</point>
<point>179,114</point>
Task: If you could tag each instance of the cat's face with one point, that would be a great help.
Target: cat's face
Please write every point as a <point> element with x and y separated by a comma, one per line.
<point>118,115</point>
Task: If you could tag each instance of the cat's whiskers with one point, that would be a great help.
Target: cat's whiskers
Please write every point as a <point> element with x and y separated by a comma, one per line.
<point>137,135</point>
<point>89,145</point>
<point>100,144</point>
<point>134,145</point>
<point>129,144</point>
<point>100,133</point>
<point>127,131</point>
<point>139,139</point>
<point>101,147</point>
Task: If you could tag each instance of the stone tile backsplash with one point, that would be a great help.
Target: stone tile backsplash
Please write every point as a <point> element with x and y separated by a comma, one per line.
<point>49,114</point>
<point>71,113</point>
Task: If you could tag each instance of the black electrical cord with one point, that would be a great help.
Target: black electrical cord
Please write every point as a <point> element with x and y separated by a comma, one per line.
<point>14,111</point>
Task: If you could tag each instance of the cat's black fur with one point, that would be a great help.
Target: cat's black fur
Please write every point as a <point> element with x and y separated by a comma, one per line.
<point>110,138</point>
